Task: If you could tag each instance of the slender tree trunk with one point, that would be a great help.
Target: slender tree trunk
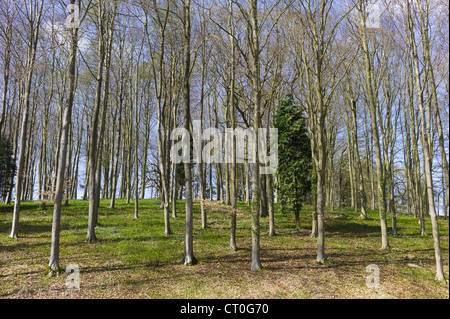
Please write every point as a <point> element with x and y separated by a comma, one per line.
<point>426,149</point>
<point>175,191</point>
<point>189,258</point>
<point>424,21</point>
<point>15,143</point>
<point>359,165</point>
<point>200,165</point>
<point>6,71</point>
<point>256,260</point>
<point>136,164</point>
<point>369,159</point>
<point>116,159</point>
<point>247,175</point>
<point>233,245</point>
<point>145,150</point>
<point>373,102</point>
<point>406,137</point>
<point>31,58</point>
<point>93,151</point>
<point>69,181</point>
<point>67,120</point>
<point>314,199</point>
<point>136,136</point>
<point>320,164</point>
<point>271,205</point>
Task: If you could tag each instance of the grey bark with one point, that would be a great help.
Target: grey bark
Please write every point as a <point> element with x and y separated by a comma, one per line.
<point>189,258</point>
<point>425,146</point>
<point>34,20</point>
<point>67,120</point>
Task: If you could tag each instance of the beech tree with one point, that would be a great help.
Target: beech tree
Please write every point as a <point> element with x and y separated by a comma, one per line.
<point>105,21</point>
<point>61,173</point>
<point>422,8</point>
<point>313,60</point>
<point>33,24</point>
<point>371,87</point>
<point>91,114</point>
<point>189,258</point>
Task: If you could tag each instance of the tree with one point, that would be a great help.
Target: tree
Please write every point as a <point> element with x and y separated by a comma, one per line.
<point>372,105</point>
<point>34,15</point>
<point>53,266</point>
<point>233,245</point>
<point>421,8</point>
<point>189,258</point>
<point>256,95</point>
<point>294,156</point>
<point>6,28</point>
<point>7,167</point>
<point>162,94</point>
<point>352,141</point>
<point>105,22</point>
<point>317,68</point>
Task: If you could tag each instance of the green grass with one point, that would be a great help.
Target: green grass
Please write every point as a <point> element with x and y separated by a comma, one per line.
<point>134,259</point>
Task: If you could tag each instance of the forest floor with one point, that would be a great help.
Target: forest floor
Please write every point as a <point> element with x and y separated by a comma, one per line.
<point>134,259</point>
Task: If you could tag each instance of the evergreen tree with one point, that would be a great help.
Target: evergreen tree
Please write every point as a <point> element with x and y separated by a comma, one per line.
<point>7,167</point>
<point>294,156</point>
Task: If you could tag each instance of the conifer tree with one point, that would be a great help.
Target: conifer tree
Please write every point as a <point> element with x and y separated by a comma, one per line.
<point>294,157</point>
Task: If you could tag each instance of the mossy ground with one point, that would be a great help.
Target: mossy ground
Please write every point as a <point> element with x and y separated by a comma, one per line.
<point>134,259</point>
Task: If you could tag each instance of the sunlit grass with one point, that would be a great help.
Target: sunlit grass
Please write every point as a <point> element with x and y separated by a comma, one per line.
<point>133,258</point>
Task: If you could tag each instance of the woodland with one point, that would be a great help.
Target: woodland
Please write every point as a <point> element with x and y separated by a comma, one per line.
<point>95,95</point>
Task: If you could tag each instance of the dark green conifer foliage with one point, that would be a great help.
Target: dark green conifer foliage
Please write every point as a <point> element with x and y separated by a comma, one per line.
<point>294,156</point>
<point>7,167</point>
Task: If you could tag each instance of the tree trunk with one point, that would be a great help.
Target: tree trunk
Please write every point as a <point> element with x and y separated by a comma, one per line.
<point>256,261</point>
<point>373,105</point>
<point>93,151</point>
<point>67,120</point>
<point>6,71</point>
<point>314,199</point>
<point>426,150</point>
<point>359,165</point>
<point>189,258</point>
<point>320,165</point>
<point>270,195</point>
<point>31,58</point>
<point>116,158</point>
<point>233,245</point>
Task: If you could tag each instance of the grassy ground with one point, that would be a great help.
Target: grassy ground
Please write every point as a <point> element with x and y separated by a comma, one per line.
<point>134,259</point>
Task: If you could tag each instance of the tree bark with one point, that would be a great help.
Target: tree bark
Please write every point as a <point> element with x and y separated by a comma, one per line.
<point>256,260</point>
<point>93,151</point>
<point>373,104</point>
<point>233,245</point>
<point>189,258</point>
<point>67,120</point>
<point>425,147</point>
<point>34,22</point>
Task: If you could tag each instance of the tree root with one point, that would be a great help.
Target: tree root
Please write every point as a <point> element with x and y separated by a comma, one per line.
<point>53,273</point>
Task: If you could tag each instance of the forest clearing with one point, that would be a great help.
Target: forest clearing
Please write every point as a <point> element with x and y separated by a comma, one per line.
<point>134,259</point>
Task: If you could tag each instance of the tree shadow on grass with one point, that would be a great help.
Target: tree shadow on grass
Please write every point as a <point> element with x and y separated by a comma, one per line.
<point>350,229</point>
<point>21,246</point>
<point>271,258</point>
<point>28,206</point>
<point>25,228</point>
<point>28,273</point>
